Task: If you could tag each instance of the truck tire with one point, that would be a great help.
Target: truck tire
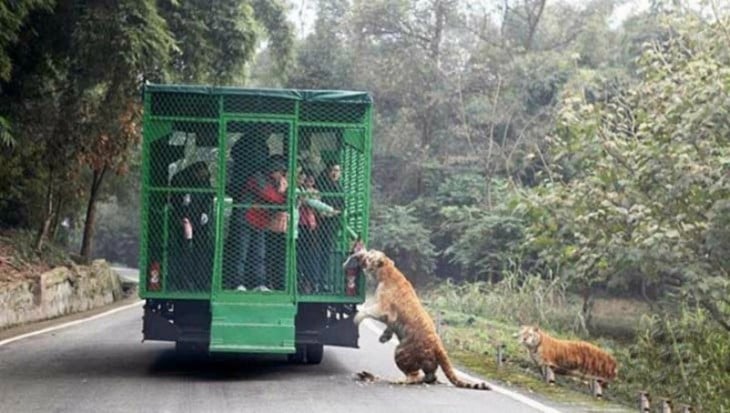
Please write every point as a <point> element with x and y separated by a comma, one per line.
<point>298,357</point>
<point>189,348</point>
<point>315,353</point>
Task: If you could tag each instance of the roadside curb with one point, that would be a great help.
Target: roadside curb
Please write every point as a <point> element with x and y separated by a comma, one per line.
<point>69,324</point>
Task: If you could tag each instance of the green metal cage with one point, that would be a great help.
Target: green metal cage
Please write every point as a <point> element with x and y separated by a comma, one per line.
<point>253,195</point>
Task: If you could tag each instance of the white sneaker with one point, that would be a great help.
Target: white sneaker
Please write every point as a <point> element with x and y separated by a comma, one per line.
<point>262,288</point>
<point>240,288</point>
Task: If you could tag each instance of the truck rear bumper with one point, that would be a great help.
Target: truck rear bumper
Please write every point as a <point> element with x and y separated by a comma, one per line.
<point>189,321</point>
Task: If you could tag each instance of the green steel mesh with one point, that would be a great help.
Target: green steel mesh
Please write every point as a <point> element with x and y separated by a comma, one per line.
<point>292,180</point>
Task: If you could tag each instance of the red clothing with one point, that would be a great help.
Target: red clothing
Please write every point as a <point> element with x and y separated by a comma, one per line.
<point>257,217</point>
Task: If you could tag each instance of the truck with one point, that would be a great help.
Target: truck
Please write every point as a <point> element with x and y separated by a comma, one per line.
<point>251,200</point>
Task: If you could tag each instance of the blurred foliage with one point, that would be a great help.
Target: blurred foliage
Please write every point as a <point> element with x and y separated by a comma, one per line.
<point>686,356</point>
<point>637,184</point>
<point>397,232</point>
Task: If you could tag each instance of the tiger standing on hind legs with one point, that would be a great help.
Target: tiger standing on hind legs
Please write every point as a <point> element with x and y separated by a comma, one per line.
<point>397,305</point>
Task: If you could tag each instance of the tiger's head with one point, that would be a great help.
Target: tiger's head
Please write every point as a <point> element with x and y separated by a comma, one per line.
<point>530,336</point>
<point>370,261</point>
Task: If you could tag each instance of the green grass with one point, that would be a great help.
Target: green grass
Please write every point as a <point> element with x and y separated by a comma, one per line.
<point>678,353</point>
<point>472,342</point>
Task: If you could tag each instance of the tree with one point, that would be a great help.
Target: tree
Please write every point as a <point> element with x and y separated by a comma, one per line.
<point>77,72</point>
<point>215,44</point>
<point>12,17</point>
<point>637,177</point>
<point>114,45</point>
<point>403,238</point>
<point>325,58</point>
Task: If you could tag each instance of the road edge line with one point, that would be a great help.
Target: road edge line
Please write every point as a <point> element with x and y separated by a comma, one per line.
<point>70,323</point>
<point>496,388</point>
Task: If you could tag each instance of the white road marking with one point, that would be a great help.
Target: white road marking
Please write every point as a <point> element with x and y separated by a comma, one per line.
<point>370,324</point>
<point>70,323</point>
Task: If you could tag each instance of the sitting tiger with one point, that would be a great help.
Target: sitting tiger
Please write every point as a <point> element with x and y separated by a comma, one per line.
<point>568,356</point>
<point>397,305</point>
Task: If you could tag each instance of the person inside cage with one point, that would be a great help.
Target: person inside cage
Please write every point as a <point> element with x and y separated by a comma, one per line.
<point>191,240</point>
<point>248,156</point>
<point>328,183</point>
<point>265,190</point>
<point>309,206</point>
<point>278,222</point>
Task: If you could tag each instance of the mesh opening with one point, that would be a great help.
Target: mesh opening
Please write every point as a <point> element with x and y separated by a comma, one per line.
<point>184,105</point>
<point>181,226</point>
<point>255,249</point>
<point>332,112</point>
<point>323,232</point>
<point>258,104</point>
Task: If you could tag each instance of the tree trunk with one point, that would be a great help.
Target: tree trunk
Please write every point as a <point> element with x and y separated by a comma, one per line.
<point>587,310</point>
<point>89,223</point>
<point>47,214</point>
<point>437,38</point>
<point>60,200</point>
<point>534,14</point>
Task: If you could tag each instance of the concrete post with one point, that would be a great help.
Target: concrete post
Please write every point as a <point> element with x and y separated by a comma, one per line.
<point>549,375</point>
<point>500,355</point>
<point>665,405</point>
<point>597,388</point>
<point>644,402</point>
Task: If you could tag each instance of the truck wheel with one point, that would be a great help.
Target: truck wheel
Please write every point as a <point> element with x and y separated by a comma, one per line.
<point>315,353</point>
<point>298,357</point>
<point>189,348</point>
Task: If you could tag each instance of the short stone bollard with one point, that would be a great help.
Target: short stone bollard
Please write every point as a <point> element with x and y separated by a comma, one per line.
<point>665,405</point>
<point>597,388</point>
<point>500,355</point>
<point>549,375</point>
<point>644,402</point>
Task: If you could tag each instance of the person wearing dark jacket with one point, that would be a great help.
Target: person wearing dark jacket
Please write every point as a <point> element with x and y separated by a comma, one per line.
<point>329,185</point>
<point>191,237</point>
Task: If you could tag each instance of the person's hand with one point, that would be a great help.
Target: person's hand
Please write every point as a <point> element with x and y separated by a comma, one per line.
<point>336,212</point>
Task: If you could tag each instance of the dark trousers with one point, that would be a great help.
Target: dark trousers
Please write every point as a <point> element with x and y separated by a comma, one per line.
<point>328,231</point>
<point>244,258</point>
<point>276,259</point>
<point>308,271</point>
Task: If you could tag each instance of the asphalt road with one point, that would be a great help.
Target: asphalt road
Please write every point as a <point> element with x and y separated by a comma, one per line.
<point>101,366</point>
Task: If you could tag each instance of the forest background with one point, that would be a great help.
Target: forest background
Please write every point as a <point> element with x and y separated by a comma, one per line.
<point>559,163</point>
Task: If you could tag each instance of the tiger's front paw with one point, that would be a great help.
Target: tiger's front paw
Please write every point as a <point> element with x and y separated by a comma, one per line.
<point>386,336</point>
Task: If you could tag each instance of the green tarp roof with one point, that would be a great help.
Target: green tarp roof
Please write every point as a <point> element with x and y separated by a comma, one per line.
<point>340,96</point>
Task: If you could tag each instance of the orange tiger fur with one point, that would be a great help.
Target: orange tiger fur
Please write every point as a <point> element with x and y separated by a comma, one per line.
<point>397,305</point>
<point>569,356</point>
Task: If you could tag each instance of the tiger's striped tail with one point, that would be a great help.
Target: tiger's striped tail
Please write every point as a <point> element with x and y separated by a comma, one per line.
<point>445,363</point>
